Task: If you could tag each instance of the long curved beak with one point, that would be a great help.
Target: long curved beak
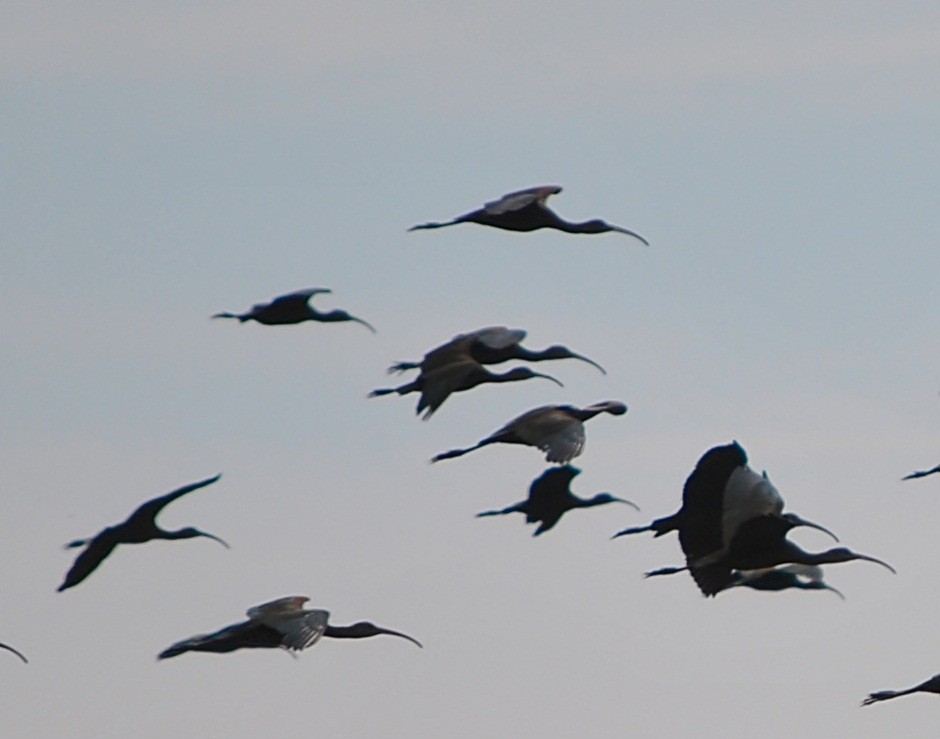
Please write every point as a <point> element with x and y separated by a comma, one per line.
<point>627,231</point>
<point>398,633</point>
<point>364,323</point>
<point>589,361</point>
<point>827,586</point>
<point>876,561</point>
<point>215,538</point>
<point>549,377</point>
<point>798,521</point>
<point>15,651</point>
<point>628,502</point>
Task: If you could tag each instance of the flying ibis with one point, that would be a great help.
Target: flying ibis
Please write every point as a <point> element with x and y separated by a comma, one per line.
<point>436,385</point>
<point>140,527</point>
<point>526,210</point>
<point>283,623</point>
<point>293,308</point>
<point>490,345</point>
<point>784,577</point>
<point>928,686</point>
<point>550,498</point>
<point>558,430</point>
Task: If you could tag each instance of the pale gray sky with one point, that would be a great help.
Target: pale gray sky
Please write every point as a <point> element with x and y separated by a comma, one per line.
<point>163,162</point>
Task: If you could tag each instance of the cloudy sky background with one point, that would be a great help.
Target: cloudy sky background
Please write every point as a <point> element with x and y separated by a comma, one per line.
<point>162,162</point>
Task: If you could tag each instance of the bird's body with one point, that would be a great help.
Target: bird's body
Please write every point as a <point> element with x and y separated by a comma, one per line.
<point>550,498</point>
<point>928,686</point>
<point>558,430</point>
<point>293,308</point>
<point>526,210</point>
<point>283,623</point>
<point>783,577</point>
<point>17,652</point>
<point>922,473</point>
<point>138,528</point>
<point>490,345</point>
<point>438,384</point>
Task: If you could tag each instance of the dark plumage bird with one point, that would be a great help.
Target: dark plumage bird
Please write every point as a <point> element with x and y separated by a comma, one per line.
<point>438,384</point>
<point>922,473</point>
<point>140,527</point>
<point>281,623</point>
<point>550,498</point>
<point>928,686</point>
<point>720,498</point>
<point>558,430</point>
<point>525,210</point>
<point>490,345</point>
<point>784,577</point>
<point>293,308</point>
<point>15,651</point>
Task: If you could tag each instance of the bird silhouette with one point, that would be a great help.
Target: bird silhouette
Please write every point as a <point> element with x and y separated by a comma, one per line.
<point>550,498</point>
<point>17,652</point>
<point>928,686</point>
<point>293,308</point>
<point>558,430</point>
<point>140,527</point>
<point>283,623</point>
<point>784,577</point>
<point>922,473</point>
<point>526,210</point>
<point>490,345</point>
<point>760,543</point>
<point>438,384</point>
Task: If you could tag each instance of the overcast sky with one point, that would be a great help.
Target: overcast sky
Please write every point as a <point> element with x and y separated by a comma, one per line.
<point>163,162</point>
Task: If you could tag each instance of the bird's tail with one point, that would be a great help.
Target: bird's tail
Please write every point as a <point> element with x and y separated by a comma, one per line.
<point>883,695</point>
<point>399,367</point>
<point>421,226</point>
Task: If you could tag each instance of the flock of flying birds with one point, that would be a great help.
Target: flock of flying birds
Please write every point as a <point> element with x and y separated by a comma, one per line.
<point>731,525</point>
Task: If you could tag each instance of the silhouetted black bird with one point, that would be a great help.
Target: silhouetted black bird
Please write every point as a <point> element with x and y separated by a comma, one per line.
<point>558,430</point>
<point>550,498</point>
<point>922,473</point>
<point>140,527</point>
<point>436,385</point>
<point>490,345</point>
<point>293,308</point>
<point>928,686</point>
<point>281,623</point>
<point>525,210</point>
<point>784,577</point>
<point>15,651</point>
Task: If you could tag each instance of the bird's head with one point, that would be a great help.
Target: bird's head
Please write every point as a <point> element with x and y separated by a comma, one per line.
<point>795,521</point>
<point>602,498</point>
<point>525,373</point>
<point>367,628</point>
<point>557,351</point>
<point>842,554</point>
<point>192,533</point>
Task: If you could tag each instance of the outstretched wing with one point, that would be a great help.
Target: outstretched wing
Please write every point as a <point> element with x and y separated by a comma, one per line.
<point>496,337</point>
<point>521,198</point>
<point>298,296</point>
<point>299,631</point>
<point>151,508</point>
<point>93,555</point>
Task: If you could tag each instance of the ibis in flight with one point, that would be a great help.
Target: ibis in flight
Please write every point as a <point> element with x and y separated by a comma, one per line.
<point>293,308</point>
<point>140,527</point>
<point>436,385</point>
<point>17,652</point>
<point>283,623</point>
<point>490,345</point>
<point>550,498</point>
<point>558,430</point>
<point>928,686</point>
<point>922,473</point>
<point>784,577</point>
<point>526,210</point>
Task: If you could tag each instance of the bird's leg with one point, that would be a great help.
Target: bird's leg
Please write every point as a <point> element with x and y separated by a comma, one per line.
<point>665,571</point>
<point>399,367</point>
